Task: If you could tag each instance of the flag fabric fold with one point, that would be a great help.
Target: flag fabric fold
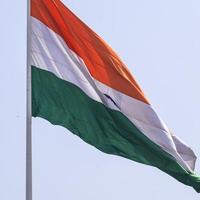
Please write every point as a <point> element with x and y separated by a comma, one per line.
<point>80,83</point>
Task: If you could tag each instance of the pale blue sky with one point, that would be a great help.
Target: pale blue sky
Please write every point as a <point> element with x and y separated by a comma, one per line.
<point>159,40</point>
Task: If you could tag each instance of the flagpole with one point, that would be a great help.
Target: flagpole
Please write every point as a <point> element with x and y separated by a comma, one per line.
<point>28,112</point>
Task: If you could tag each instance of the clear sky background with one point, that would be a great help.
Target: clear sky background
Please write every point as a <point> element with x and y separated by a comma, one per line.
<point>159,40</point>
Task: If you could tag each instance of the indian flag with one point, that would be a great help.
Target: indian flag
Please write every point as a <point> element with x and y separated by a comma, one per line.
<point>80,83</point>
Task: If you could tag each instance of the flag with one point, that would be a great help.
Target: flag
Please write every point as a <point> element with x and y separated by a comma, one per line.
<point>80,83</point>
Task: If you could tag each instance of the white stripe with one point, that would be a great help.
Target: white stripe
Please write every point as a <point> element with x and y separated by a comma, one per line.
<point>50,52</point>
<point>146,119</point>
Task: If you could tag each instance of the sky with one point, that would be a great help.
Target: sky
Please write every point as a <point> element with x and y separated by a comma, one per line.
<point>159,42</point>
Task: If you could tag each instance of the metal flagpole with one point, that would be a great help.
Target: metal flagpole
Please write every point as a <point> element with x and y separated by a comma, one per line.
<point>28,112</point>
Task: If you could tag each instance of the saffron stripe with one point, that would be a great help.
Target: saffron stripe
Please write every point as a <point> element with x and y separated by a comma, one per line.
<point>102,62</point>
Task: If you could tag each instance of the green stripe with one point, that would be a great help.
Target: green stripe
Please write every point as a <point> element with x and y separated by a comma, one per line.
<point>63,103</point>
